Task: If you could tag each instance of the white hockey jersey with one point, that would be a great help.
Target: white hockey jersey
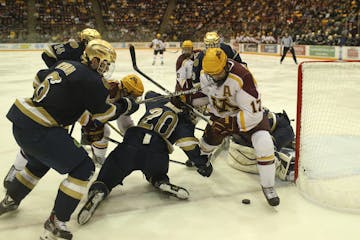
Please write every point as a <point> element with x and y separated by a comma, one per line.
<point>157,44</point>
<point>236,97</point>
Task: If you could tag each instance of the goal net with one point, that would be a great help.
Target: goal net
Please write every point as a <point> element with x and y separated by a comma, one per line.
<point>328,134</point>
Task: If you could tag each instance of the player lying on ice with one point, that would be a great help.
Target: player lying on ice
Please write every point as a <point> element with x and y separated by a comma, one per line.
<point>146,147</point>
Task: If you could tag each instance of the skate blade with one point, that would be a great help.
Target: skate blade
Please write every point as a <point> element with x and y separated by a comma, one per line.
<point>89,208</point>
<point>175,191</point>
<point>84,216</point>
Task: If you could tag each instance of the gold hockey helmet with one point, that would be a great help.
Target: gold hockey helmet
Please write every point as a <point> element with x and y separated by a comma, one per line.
<point>187,44</point>
<point>212,40</point>
<point>132,84</point>
<point>214,61</point>
<point>187,47</point>
<point>103,51</point>
<point>89,34</point>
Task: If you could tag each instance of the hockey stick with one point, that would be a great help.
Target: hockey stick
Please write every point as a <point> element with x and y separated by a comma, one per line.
<point>112,140</point>
<point>170,95</point>
<point>133,59</point>
<point>114,128</point>
<point>72,129</point>
<point>178,162</point>
<point>200,129</point>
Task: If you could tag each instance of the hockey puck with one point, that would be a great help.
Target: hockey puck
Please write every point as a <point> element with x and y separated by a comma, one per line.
<point>246,201</point>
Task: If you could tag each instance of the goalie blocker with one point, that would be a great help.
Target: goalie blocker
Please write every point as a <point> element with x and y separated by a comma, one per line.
<point>241,154</point>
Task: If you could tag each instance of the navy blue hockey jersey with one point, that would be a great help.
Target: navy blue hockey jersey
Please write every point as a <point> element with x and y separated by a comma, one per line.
<point>173,125</point>
<point>62,94</point>
<point>71,50</point>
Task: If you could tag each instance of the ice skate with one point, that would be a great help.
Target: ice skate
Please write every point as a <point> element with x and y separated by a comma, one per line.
<point>55,229</point>
<point>8,205</point>
<point>87,211</point>
<point>173,190</point>
<point>98,156</point>
<point>10,176</point>
<point>271,196</point>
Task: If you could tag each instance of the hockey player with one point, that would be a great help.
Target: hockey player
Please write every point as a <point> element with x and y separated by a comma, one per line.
<point>212,40</point>
<point>235,108</point>
<point>242,156</point>
<point>146,147</point>
<point>64,92</point>
<point>159,48</point>
<point>71,50</point>
<point>129,86</point>
<point>184,72</point>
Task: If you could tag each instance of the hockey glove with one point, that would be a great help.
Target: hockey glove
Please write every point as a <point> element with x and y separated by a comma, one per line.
<point>204,170</point>
<point>92,132</point>
<point>128,105</point>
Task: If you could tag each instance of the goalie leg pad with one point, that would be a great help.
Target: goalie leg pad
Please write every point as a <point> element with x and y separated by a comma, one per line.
<point>285,165</point>
<point>242,158</point>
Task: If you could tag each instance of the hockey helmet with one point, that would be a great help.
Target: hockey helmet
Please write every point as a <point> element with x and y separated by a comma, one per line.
<point>89,34</point>
<point>133,85</point>
<point>211,40</point>
<point>104,52</point>
<point>187,47</point>
<point>187,44</point>
<point>214,61</point>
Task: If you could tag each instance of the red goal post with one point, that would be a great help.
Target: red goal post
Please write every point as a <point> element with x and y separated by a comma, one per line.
<point>327,168</point>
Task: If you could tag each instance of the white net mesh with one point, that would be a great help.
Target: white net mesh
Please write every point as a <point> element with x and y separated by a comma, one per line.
<point>329,153</point>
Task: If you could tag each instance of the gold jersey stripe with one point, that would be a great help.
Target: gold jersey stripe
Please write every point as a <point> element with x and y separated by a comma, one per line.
<point>36,82</point>
<point>78,182</point>
<point>266,159</point>
<point>24,181</point>
<point>186,140</point>
<point>32,176</point>
<point>37,114</point>
<point>71,192</point>
<point>73,187</point>
<point>100,145</point>
<point>27,178</point>
<point>237,79</point>
<point>188,148</point>
<point>49,51</point>
<point>242,121</point>
<point>84,118</point>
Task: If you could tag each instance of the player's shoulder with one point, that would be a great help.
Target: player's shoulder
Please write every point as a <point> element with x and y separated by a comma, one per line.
<point>237,72</point>
<point>181,60</point>
<point>227,49</point>
<point>73,44</point>
<point>77,70</point>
